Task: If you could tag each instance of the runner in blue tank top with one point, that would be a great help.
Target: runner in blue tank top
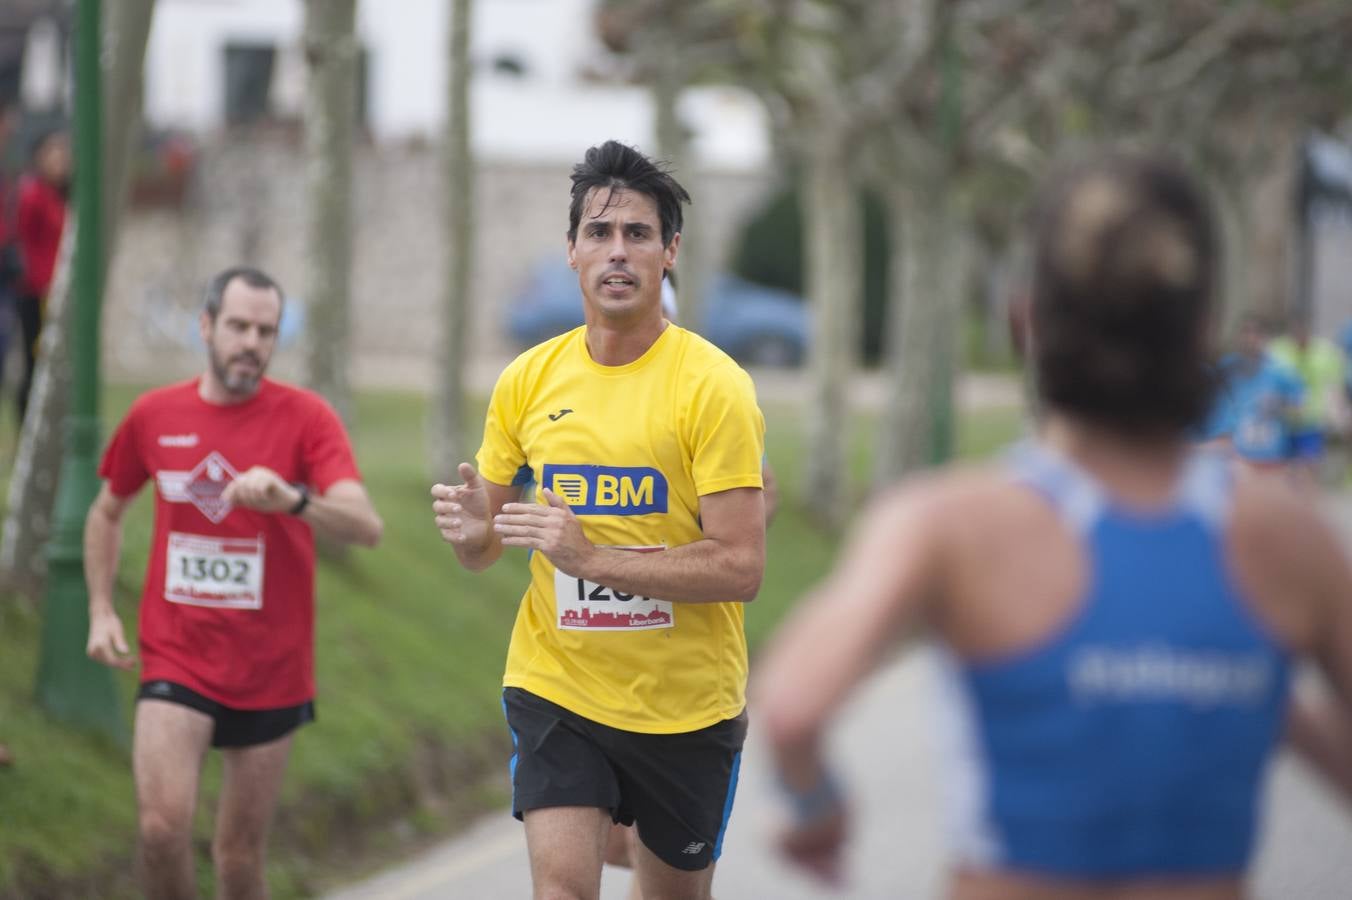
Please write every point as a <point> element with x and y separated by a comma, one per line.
<point>1117,615</point>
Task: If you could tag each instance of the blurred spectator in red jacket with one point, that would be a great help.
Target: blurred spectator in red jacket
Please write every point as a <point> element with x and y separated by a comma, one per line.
<point>11,266</point>
<point>39,218</point>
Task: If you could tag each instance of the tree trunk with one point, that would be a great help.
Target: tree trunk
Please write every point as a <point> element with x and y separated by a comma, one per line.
<point>924,311</point>
<point>330,116</point>
<point>1233,293</point>
<point>32,487</point>
<point>449,446</point>
<point>674,145</point>
<point>833,226</point>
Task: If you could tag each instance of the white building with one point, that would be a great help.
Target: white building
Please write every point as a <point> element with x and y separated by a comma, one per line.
<point>214,62</point>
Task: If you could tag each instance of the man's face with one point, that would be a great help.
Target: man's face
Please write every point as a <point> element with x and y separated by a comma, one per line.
<point>241,339</point>
<point>53,160</point>
<point>618,255</point>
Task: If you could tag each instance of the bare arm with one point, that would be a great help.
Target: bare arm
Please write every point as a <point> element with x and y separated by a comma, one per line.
<point>725,565</point>
<point>343,512</point>
<point>1286,552</point>
<point>464,514</point>
<point>1320,730</point>
<point>102,545</point>
<point>887,572</point>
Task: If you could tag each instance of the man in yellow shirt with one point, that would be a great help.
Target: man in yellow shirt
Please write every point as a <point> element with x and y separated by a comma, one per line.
<point>626,674</point>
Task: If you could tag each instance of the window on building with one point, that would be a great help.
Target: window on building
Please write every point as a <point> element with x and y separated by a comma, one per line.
<point>248,82</point>
<point>262,83</point>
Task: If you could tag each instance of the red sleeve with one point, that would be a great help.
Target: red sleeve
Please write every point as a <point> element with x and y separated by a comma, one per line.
<point>325,451</point>
<point>7,201</point>
<point>122,466</point>
<point>39,220</point>
<point>25,215</point>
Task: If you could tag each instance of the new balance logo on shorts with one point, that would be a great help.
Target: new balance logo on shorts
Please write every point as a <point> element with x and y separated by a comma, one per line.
<point>693,848</point>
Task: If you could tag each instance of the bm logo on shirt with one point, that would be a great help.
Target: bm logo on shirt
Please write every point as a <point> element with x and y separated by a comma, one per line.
<point>608,490</point>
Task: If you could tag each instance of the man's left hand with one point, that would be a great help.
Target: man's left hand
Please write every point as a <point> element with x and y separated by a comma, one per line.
<point>818,846</point>
<point>553,530</point>
<point>261,490</point>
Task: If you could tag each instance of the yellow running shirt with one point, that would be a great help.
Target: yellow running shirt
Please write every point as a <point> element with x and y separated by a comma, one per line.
<point>631,448</point>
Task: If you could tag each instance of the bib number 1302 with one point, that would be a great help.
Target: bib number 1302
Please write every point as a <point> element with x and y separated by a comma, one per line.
<point>213,571</point>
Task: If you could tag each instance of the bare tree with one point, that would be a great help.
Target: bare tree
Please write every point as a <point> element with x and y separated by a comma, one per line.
<point>449,446</point>
<point>331,52</point>
<point>32,488</point>
<point>668,45</point>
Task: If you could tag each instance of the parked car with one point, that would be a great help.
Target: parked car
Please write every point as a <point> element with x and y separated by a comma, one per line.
<point>753,324</point>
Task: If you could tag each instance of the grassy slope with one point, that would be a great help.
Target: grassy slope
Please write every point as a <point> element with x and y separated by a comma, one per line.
<point>410,651</point>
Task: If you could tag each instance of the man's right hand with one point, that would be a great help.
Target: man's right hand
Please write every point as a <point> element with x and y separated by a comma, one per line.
<point>462,513</point>
<point>107,644</point>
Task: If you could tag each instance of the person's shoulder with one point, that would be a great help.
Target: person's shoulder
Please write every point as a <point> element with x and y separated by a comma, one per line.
<point>1275,519</point>
<point>294,399</point>
<point>697,350</point>
<point>699,358</point>
<point>274,391</point>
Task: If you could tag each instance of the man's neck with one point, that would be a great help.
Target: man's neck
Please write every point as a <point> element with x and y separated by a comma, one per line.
<point>1140,471</point>
<point>618,345</point>
<point>210,389</point>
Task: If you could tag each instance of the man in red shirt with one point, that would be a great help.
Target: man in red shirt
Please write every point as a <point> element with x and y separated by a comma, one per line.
<point>40,216</point>
<point>244,467</point>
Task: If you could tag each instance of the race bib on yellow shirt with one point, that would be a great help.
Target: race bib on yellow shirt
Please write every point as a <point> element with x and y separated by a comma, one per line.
<point>214,571</point>
<point>587,606</point>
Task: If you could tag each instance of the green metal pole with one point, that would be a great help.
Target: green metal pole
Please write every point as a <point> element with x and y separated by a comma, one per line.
<point>70,686</point>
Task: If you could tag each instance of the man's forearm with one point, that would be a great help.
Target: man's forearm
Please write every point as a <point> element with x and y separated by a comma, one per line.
<point>1320,732</point>
<point>347,519</point>
<point>476,559</point>
<point>102,547</point>
<point>706,571</point>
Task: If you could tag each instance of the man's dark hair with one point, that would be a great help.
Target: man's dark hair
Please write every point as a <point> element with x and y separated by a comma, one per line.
<point>619,167</point>
<point>254,278</point>
<point>1122,296</point>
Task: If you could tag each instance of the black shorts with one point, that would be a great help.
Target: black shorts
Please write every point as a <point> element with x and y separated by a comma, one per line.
<point>678,788</point>
<point>234,727</point>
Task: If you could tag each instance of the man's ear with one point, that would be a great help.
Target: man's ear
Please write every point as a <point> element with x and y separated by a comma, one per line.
<point>669,251</point>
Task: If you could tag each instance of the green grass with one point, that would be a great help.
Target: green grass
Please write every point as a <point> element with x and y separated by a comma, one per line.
<point>410,651</point>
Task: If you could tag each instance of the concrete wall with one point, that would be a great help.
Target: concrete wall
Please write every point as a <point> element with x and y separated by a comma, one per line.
<point>248,204</point>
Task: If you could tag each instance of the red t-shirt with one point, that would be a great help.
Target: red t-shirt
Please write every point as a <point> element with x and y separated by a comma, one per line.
<point>228,604</point>
<point>39,216</point>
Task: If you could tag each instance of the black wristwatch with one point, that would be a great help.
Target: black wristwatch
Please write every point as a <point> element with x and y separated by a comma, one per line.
<point>304,500</point>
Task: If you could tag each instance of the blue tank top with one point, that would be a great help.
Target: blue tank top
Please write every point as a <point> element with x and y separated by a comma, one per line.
<point>1133,742</point>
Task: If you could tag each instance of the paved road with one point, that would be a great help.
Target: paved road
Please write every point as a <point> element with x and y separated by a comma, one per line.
<point>885,748</point>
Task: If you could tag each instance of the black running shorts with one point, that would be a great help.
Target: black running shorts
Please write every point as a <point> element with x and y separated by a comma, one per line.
<point>234,727</point>
<point>678,788</point>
